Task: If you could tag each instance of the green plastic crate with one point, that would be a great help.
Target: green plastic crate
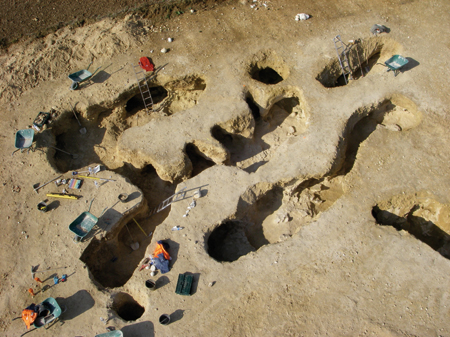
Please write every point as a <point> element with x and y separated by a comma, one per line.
<point>184,284</point>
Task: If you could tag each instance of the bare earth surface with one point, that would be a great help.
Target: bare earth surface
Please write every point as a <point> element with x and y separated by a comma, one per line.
<point>324,207</point>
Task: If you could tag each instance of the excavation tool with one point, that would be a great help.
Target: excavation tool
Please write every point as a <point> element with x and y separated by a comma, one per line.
<point>36,188</point>
<point>63,196</point>
<point>35,271</point>
<point>83,129</point>
<point>135,244</point>
<point>141,228</point>
<point>96,178</point>
<point>74,156</point>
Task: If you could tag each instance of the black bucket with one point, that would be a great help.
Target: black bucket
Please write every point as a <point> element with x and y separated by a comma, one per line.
<point>42,206</point>
<point>164,319</point>
<point>150,284</point>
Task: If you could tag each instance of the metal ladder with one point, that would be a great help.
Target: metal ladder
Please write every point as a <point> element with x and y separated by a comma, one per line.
<point>143,88</point>
<point>166,203</point>
<point>341,51</point>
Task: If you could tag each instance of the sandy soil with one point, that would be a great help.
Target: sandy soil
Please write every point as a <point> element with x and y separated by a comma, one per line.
<point>324,207</point>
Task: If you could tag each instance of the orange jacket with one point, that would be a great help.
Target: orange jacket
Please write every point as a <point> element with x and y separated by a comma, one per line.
<point>160,250</point>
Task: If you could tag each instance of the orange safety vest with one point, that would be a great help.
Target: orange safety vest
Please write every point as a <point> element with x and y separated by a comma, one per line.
<point>29,316</point>
<point>160,250</point>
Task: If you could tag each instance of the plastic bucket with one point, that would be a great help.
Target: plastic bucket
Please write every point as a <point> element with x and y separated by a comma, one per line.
<point>164,319</point>
<point>123,197</point>
<point>42,206</point>
<point>150,284</point>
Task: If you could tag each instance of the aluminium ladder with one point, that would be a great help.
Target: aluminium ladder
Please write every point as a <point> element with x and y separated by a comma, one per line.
<point>143,88</point>
<point>341,51</point>
<point>166,203</point>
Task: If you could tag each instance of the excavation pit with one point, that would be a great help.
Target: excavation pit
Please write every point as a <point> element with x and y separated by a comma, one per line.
<point>362,58</point>
<point>126,307</point>
<point>159,94</point>
<point>111,265</point>
<point>136,103</point>
<point>228,242</point>
<point>112,260</point>
<point>357,73</point>
<point>268,68</point>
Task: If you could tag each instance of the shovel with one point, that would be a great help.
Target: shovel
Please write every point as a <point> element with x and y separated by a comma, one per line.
<point>74,156</point>
<point>82,130</point>
<point>134,245</point>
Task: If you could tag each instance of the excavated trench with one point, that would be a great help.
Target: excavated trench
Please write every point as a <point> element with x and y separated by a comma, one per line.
<point>417,222</point>
<point>396,113</point>
<point>281,212</point>
<point>283,120</point>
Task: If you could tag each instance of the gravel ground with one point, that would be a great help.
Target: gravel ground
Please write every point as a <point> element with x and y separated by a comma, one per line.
<point>22,19</point>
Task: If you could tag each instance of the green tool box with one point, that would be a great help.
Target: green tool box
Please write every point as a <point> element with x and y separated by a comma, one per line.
<point>184,284</point>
